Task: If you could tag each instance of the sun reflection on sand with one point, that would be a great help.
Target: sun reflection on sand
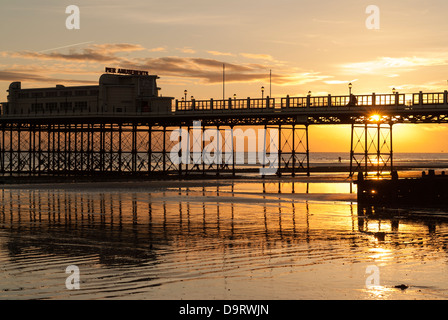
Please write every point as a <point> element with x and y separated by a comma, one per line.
<point>380,254</point>
<point>380,292</point>
<point>264,245</point>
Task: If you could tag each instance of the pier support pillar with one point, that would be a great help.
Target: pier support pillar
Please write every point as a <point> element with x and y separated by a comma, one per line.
<point>371,149</point>
<point>293,150</point>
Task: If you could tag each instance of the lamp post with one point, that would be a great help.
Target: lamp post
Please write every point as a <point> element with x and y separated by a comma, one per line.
<point>350,88</point>
<point>309,93</point>
<point>394,91</point>
<point>185,93</point>
<point>262,92</point>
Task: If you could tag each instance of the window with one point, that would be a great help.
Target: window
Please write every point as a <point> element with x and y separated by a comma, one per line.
<point>80,92</point>
<point>65,106</point>
<point>36,107</point>
<point>66,93</point>
<point>51,106</point>
<point>23,95</point>
<point>51,94</point>
<point>81,105</point>
<point>37,94</point>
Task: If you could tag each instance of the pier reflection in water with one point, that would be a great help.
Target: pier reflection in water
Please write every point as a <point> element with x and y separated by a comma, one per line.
<point>224,240</point>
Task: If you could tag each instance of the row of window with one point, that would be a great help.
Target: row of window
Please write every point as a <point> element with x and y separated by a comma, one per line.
<point>52,94</point>
<point>64,106</point>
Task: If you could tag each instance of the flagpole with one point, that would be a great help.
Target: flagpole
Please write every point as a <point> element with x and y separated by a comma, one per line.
<point>223,81</point>
<point>270,83</point>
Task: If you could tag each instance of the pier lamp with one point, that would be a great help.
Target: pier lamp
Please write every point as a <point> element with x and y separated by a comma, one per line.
<point>309,93</point>
<point>234,96</point>
<point>394,91</point>
<point>262,92</point>
<point>350,88</point>
<point>185,93</point>
<point>192,98</point>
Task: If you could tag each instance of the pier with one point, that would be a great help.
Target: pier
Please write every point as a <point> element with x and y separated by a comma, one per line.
<point>88,138</point>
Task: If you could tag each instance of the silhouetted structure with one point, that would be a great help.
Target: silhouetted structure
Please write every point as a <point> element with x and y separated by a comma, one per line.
<point>429,190</point>
<point>123,125</point>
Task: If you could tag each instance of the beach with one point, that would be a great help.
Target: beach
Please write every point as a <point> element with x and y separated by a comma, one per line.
<point>249,238</point>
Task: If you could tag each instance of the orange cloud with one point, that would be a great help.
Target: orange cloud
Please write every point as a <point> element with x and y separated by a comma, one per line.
<point>207,70</point>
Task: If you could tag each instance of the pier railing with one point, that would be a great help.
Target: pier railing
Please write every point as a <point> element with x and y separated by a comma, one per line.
<point>438,98</point>
<point>394,101</point>
<point>228,104</point>
<point>293,102</point>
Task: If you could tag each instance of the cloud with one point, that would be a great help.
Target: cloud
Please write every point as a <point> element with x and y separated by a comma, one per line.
<point>218,53</point>
<point>93,53</point>
<point>386,64</point>
<point>257,56</point>
<point>116,47</point>
<point>206,70</point>
<point>187,50</point>
<point>12,76</point>
<point>340,81</point>
<point>158,49</point>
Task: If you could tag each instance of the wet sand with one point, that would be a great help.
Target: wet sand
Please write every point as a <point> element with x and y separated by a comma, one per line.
<point>286,238</point>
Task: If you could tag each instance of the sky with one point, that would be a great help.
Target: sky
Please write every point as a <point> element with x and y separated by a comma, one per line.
<point>318,46</point>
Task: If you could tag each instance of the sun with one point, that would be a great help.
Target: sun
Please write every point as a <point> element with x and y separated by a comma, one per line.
<point>375,118</point>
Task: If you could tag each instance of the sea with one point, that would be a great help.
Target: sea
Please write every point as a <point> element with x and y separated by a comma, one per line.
<point>249,238</point>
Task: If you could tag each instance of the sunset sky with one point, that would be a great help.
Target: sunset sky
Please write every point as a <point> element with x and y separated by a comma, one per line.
<point>317,46</point>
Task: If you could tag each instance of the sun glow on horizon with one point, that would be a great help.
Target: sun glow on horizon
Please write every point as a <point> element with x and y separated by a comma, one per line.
<point>375,118</point>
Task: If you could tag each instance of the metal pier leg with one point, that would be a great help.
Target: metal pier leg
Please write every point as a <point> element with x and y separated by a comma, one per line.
<point>75,153</point>
<point>264,150</point>
<point>31,154</point>
<point>189,156</point>
<point>39,154</point>
<point>179,169</point>
<point>164,150</point>
<point>149,148</point>
<point>391,150</point>
<point>378,149</point>
<point>366,149</point>
<point>102,149</point>
<point>308,173</point>
<point>219,152</point>
<point>351,151</point>
<point>134,149</point>
<point>11,149</point>
<point>279,170</point>
<point>49,155</point>
<point>293,151</point>
<point>111,148</point>
<point>120,150</point>
<point>59,148</point>
<point>202,150</point>
<point>233,152</point>
<point>81,158</point>
<point>89,138</point>
<point>19,143</point>
<point>68,149</point>
<point>2,159</point>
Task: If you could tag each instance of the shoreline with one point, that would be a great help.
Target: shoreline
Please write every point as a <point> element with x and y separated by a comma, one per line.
<point>113,180</point>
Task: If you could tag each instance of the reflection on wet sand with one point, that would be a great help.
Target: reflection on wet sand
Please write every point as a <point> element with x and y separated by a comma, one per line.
<point>197,241</point>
